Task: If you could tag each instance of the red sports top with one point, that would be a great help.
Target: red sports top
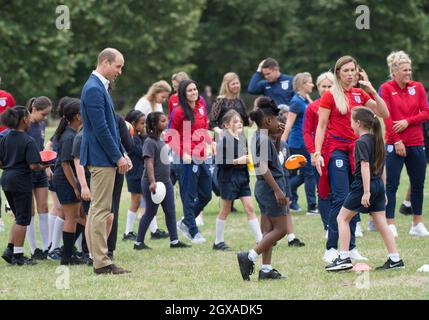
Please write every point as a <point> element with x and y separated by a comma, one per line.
<point>309,128</point>
<point>173,102</point>
<point>339,134</point>
<point>409,103</point>
<point>192,138</point>
<point>6,101</point>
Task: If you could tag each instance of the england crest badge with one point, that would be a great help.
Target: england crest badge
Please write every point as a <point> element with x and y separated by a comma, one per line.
<point>339,163</point>
<point>358,99</point>
<point>412,91</point>
<point>285,84</point>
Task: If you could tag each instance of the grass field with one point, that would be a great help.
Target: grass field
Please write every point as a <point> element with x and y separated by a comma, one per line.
<point>201,273</point>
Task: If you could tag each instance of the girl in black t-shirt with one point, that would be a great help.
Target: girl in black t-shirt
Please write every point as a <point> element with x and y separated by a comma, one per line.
<point>19,156</point>
<point>367,193</point>
<point>65,181</point>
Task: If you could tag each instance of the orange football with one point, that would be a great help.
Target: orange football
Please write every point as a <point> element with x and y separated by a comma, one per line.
<point>295,161</point>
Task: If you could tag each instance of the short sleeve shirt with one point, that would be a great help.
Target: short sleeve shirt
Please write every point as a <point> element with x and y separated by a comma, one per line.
<point>263,150</point>
<point>17,151</point>
<point>364,151</point>
<point>65,149</point>
<point>158,151</point>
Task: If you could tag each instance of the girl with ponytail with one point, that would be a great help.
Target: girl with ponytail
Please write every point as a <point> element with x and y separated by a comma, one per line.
<point>39,108</point>
<point>65,180</point>
<point>367,193</point>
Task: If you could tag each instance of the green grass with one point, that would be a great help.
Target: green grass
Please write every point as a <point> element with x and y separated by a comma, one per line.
<point>201,273</point>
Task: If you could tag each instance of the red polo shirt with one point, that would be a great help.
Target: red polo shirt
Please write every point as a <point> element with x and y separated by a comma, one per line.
<point>6,101</point>
<point>409,103</point>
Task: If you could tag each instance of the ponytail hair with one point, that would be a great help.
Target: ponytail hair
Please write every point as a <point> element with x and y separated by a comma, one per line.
<point>12,117</point>
<point>370,121</point>
<point>133,116</point>
<point>39,103</point>
<point>60,105</point>
<point>152,121</point>
<point>69,111</point>
<point>265,107</point>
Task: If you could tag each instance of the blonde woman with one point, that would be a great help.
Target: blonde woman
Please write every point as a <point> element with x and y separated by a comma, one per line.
<point>407,104</point>
<point>229,98</point>
<point>336,165</point>
<point>152,101</point>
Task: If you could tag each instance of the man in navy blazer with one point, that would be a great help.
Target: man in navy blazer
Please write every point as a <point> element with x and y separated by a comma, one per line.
<point>101,151</point>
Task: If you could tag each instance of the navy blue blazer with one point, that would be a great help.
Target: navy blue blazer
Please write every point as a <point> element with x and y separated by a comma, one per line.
<point>101,143</point>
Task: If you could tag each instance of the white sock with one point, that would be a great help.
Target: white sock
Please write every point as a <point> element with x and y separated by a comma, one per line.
<point>51,223</point>
<point>290,237</point>
<point>131,217</point>
<point>344,255</point>
<point>394,257</point>
<point>153,225</point>
<point>44,230</point>
<point>407,203</point>
<point>252,255</point>
<point>266,268</point>
<point>57,235</point>
<point>220,230</point>
<point>256,229</point>
<point>78,243</point>
<point>31,236</point>
<point>18,249</point>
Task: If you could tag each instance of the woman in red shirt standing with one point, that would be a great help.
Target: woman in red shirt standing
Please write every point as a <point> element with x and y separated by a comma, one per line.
<point>336,166</point>
<point>324,83</point>
<point>407,104</point>
<point>190,136</point>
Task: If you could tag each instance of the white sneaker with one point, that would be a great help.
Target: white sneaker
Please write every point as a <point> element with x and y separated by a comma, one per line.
<point>199,220</point>
<point>198,238</point>
<point>330,255</point>
<point>419,230</point>
<point>1,225</point>
<point>358,231</point>
<point>371,226</point>
<point>184,229</point>
<point>392,228</point>
<point>355,255</point>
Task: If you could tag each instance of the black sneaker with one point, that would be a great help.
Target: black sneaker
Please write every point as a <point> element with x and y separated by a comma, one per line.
<point>159,234</point>
<point>405,210</point>
<point>222,246</point>
<point>391,265</point>
<point>179,245</point>
<point>7,255</point>
<point>246,266</point>
<point>23,261</point>
<point>296,243</point>
<point>73,260</point>
<point>39,255</point>
<point>340,265</point>
<point>130,236</point>
<point>141,246</point>
<point>271,275</point>
<point>55,254</point>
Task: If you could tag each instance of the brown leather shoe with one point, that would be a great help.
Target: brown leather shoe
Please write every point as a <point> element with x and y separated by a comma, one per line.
<point>110,269</point>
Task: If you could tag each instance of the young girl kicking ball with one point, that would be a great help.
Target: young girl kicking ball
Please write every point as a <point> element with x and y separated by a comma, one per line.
<point>367,193</point>
<point>270,192</point>
<point>233,177</point>
<point>157,169</point>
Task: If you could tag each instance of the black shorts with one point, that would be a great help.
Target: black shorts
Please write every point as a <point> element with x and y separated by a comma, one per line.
<point>65,193</point>
<point>39,179</point>
<point>21,205</point>
<point>236,187</point>
<point>134,186</point>
<point>267,200</point>
<point>377,199</point>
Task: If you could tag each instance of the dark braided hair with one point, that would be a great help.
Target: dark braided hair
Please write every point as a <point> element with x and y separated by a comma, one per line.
<point>12,117</point>
<point>69,111</point>
<point>134,116</point>
<point>152,124</point>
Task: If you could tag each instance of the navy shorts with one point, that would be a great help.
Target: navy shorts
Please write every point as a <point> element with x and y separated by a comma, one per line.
<point>51,186</point>
<point>39,179</point>
<point>236,187</point>
<point>267,200</point>
<point>134,186</point>
<point>21,205</point>
<point>65,193</point>
<point>377,199</point>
